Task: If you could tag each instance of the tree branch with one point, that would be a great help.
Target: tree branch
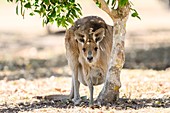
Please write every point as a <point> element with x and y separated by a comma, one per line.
<point>115,14</point>
<point>104,7</point>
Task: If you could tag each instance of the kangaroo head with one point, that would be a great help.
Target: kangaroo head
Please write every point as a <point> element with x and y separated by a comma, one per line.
<point>89,43</point>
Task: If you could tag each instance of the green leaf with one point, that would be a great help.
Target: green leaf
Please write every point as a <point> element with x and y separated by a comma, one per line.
<point>108,1</point>
<point>17,10</point>
<point>53,14</point>
<point>38,11</point>
<point>79,5</point>
<point>43,23</point>
<point>47,2</point>
<point>74,13</point>
<point>58,21</point>
<point>98,4</point>
<point>72,1</point>
<point>21,8</point>
<point>27,5</point>
<point>9,0</point>
<point>135,13</point>
<point>32,14</point>
<point>113,2</point>
<point>70,20</point>
<point>78,10</point>
<point>53,2</point>
<point>122,3</point>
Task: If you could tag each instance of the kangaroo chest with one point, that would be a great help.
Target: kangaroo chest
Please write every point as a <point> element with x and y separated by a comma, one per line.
<point>94,73</point>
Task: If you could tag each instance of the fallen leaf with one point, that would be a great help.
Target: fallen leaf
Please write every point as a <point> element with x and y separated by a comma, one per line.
<point>58,89</point>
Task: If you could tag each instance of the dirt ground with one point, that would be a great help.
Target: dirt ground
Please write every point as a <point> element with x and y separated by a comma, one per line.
<point>34,76</point>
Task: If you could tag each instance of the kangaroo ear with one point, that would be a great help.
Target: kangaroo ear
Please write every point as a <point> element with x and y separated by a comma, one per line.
<point>98,35</point>
<point>80,37</point>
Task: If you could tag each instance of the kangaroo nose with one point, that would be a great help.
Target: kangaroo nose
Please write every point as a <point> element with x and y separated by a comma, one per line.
<point>90,58</point>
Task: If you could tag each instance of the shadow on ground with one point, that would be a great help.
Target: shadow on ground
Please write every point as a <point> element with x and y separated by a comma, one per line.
<point>62,101</point>
<point>31,69</point>
<point>156,58</point>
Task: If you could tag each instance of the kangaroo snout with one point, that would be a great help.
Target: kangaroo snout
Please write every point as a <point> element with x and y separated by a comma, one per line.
<point>90,58</point>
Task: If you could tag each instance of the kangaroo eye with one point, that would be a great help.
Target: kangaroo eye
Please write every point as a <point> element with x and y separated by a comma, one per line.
<point>96,48</point>
<point>84,49</point>
<point>81,40</point>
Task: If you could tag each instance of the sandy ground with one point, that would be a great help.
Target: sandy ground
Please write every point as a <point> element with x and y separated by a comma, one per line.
<point>148,36</point>
<point>32,63</point>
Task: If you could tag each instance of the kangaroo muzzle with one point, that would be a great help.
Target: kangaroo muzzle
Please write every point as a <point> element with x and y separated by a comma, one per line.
<point>90,56</point>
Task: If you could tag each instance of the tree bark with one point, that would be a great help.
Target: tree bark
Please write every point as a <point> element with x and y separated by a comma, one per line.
<point>110,91</point>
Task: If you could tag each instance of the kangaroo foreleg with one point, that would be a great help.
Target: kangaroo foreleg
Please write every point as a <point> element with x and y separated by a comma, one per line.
<point>76,85</point>
<point>90,85</point>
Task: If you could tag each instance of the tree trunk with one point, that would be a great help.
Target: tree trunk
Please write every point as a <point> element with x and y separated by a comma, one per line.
<point>110,91</point>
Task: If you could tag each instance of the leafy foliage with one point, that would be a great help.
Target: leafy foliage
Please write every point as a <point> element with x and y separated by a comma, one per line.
<point>122,3</point>
<point>98,4</point>
<point>62,12</point>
